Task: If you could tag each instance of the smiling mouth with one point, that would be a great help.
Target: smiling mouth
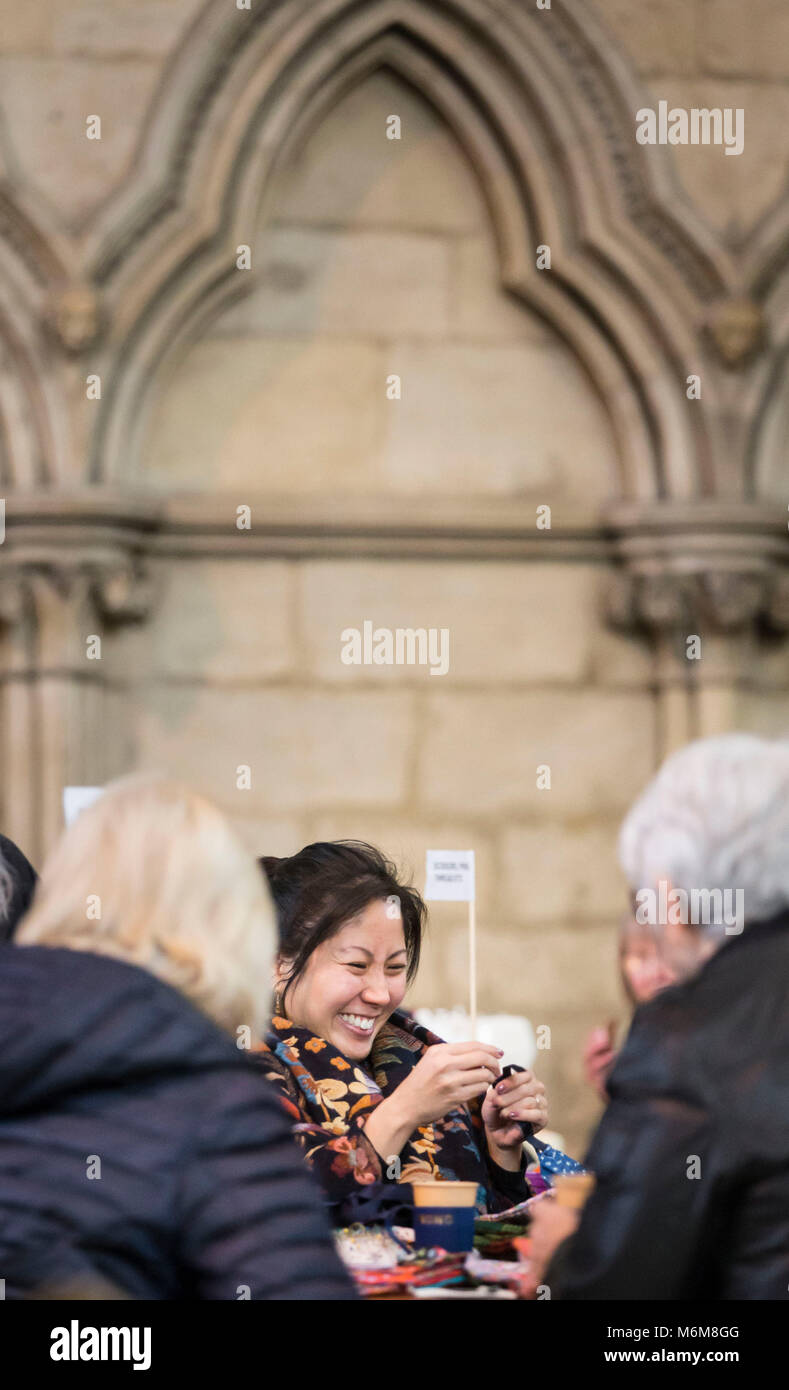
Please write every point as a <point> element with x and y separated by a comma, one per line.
<point>360,1024</point>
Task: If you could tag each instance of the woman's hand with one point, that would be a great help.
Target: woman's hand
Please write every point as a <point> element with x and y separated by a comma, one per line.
<point>448,1075</point>
<point>518,1097</point>
<point>550,1225</point>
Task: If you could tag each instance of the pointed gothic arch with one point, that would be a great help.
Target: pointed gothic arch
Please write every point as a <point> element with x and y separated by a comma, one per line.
<point>32,410</point>
<point>545,117</point>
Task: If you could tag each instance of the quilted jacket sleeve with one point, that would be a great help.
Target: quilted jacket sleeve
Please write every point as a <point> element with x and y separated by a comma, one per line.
<point>252,1221</point>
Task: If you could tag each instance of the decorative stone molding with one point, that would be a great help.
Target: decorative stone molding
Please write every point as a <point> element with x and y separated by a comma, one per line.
<point>82,590</point>
<point>105,530</point>
<point>716,572</point>
<point>53,606</point>
<point>123,593</point>
<point>73,317</point>
<point>542,104</point>
<point>716,567</point>
<point>646,293</point>
<point>544,114</point>
<point>738,330</point>
<point>14,598</point>
<point>721,601</point>
<point>20,232</point>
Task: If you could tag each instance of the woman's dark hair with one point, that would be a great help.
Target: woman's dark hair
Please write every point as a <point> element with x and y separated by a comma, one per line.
<point>322,887</point>
<point>18,880</point>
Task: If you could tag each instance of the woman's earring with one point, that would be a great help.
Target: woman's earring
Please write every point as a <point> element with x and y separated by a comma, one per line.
<point>278,1003</point>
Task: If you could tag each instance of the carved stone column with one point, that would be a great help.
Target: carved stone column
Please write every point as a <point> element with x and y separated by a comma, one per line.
<point>704,594</point>
<point>55,614</point>
<point>20,800</point>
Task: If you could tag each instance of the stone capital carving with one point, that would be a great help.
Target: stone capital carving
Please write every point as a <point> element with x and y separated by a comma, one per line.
<point>73,317</point>
<point>112,592</point>
<point>721,600</point>
<point>14,597</point>
<point>710,565</point>
<point>123,592</point>
<point>738,331</point>
<point>777,613</point>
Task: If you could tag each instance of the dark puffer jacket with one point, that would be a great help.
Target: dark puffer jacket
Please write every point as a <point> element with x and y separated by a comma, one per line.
<point>692,1154</point>
<point>201,1192</point>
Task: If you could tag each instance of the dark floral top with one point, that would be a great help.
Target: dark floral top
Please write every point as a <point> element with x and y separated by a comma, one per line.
<point>330,1097</point>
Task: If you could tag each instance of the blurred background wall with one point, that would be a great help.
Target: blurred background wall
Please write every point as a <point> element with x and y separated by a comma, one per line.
<point>156,377</point>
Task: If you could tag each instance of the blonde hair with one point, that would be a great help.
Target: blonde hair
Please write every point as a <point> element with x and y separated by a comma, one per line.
<point>154,875</point>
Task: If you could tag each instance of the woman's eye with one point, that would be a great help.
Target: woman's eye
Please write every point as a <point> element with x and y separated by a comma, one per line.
<point>357,965</point>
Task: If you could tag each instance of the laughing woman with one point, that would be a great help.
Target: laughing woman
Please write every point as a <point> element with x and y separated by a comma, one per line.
<point>374,1097</point>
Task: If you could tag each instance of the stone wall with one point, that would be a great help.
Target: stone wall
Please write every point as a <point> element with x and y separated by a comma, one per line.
<point>722,53</point>
<point>376,257</point>
<point>371,258</point>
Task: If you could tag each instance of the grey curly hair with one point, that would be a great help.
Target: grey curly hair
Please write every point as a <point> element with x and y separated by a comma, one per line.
<point>716,817</point>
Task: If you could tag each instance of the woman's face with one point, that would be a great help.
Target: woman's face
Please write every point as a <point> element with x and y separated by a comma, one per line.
<point>644,970</point>
<point>352,982</point>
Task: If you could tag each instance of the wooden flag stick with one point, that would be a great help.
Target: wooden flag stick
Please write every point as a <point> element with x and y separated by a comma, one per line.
<point>472,966</point>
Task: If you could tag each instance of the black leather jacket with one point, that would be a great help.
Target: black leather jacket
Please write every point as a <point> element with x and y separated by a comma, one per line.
<point>692,1154</point>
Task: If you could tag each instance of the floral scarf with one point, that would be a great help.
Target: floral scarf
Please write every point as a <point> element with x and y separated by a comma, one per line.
<point>329,1097</point>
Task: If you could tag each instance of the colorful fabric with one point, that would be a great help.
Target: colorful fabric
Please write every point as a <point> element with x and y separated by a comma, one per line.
<point>554,1161</point>
<point>329,1098</point>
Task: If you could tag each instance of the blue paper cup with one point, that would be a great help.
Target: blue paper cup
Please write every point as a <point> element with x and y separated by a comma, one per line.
<point>444,1214</point>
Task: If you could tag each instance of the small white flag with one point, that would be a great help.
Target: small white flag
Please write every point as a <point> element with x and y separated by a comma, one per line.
<point>450,875</point>
<point>76,799</point>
